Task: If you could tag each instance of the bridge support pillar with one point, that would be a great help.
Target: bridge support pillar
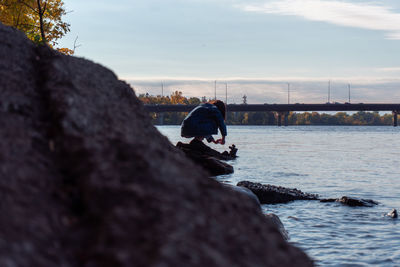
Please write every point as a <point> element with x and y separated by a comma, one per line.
<point>279,122</point>
<point>286,120</point>
<point>285,116</point>
<point>160,118</point>
<point>395,117</point>
<point>235,116</point>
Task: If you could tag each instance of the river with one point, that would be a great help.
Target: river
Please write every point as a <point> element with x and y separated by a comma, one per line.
<point>332,161</point>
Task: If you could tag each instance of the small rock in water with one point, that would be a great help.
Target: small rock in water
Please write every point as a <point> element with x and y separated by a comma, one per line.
<point>353,202</point>
<point>393,214</point>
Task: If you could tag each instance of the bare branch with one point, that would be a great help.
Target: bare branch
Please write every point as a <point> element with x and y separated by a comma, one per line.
<point>75,45</point>
<point>25,4</point>
<point>44,8</point>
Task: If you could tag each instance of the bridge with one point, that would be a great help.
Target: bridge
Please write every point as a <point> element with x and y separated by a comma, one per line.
<point>282,110</point>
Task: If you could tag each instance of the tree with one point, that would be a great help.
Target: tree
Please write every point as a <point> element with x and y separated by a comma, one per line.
<point>178,98</point>
<point>194,101</point>
<point>40,20</point>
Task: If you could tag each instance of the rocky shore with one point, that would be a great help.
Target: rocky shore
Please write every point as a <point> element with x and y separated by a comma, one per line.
<point>86,180</point>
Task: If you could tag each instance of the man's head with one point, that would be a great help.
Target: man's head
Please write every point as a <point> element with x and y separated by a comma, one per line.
<point>221,107</point>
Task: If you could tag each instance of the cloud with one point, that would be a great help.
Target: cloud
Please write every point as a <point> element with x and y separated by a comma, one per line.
<point>391,69</point>
<point>370,16</point>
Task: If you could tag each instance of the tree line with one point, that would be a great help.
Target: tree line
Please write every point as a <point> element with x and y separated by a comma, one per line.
<point>263,118</point>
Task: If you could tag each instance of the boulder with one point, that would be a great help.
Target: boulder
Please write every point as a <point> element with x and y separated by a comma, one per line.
<point>208,158</point>
<point>271,194</point>
<point>86,180</point>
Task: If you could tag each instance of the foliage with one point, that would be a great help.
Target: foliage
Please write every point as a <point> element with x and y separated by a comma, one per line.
<point>25,16</point>
<point>265,118</point>
<point>65,51</point>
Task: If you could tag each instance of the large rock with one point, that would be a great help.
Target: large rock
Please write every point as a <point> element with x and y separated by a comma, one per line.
<point>86,180</point>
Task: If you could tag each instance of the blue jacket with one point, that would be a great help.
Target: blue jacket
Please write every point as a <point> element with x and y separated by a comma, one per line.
<point>204,120</point>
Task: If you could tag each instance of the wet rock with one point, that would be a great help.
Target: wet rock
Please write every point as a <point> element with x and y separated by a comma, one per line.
<point>270,194</point>
<point>393,214</point>
<point>352,202</point>
<point>208,158</point>
<point>214,166</point>
<point>86,180</point>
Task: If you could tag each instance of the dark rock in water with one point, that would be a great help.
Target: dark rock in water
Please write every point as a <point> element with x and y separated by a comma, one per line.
<point>232,151</point>
<point>270,194</point>
<point>352,202</point>
<point>393,214</point>
<point>86,180</point>
<point>214,166</point>
<point>207,157</point>
<point>328,200</point>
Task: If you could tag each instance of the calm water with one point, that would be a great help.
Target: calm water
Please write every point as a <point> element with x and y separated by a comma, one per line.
<point>332,161</point>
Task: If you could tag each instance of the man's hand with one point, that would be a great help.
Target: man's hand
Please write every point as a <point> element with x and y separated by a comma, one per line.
<point>221,141</point>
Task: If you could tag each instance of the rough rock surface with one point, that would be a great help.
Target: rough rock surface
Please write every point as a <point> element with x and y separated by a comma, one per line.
<point>271,194</point>
<point>86,180</point>
<point>208,158</point>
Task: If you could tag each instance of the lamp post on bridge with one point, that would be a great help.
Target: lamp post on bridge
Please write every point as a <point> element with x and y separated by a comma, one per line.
<point>226,94</point>
<point>215,90</point>
<point>329,91</point>
<point>349,93</point>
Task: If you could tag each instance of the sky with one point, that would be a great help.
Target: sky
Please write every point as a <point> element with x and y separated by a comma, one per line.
<point>257,48</point>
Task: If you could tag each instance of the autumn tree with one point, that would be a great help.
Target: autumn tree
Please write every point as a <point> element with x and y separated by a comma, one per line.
<point>40,20</point>
<point>178,98</point>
